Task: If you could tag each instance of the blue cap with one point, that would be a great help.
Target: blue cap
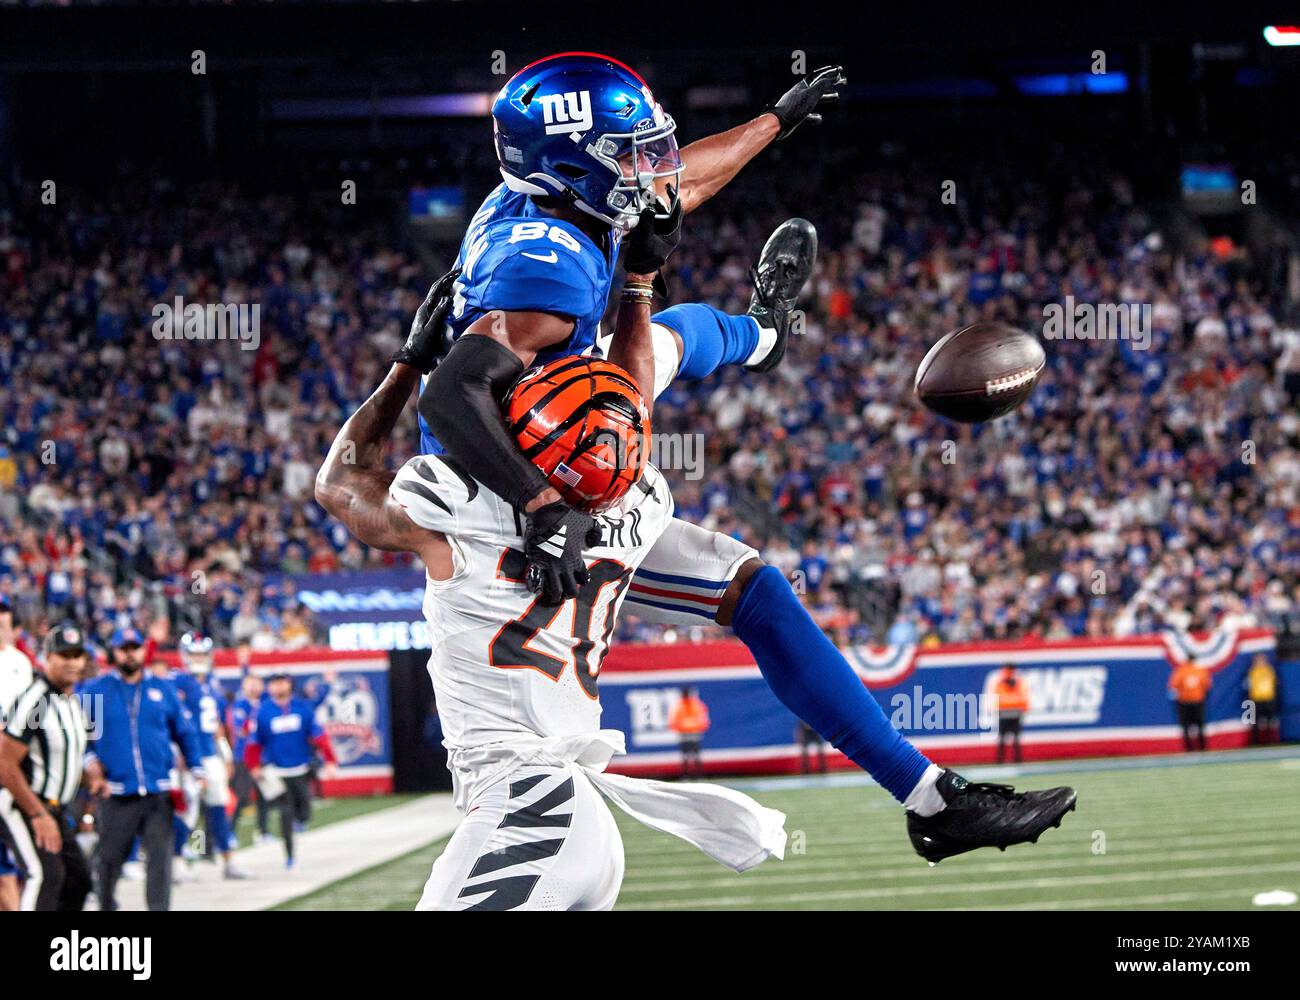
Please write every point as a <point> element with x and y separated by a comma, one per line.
<point>126,637</point>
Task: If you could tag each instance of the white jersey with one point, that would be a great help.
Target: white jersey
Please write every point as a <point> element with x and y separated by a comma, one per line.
<point>504,665</point>
<point>516,686</point>
<point>15,677</point>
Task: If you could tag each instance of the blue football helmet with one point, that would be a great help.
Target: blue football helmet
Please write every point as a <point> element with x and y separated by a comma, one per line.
<point>196,652</point>
<point>586,129</point>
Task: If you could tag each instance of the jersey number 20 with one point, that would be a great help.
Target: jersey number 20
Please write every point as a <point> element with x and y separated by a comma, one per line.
<point>512,646</point>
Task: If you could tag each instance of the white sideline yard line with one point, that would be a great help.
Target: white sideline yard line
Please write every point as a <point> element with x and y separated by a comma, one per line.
<point>1084,861</point>
<point>1111,863</point>
<point>1003,885</point>
<point>1070,854</point>
<point>1127,902</point>
<point>833,852</point>
<point>324,856</point>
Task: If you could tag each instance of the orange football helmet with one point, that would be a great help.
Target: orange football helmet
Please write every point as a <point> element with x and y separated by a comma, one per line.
<point>584,423</point>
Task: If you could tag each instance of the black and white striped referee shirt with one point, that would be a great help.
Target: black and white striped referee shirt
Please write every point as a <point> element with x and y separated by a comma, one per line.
<point>53,726</point>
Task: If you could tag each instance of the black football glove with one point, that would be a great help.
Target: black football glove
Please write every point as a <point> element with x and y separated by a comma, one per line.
<point>653,241</point>
<point>554,537</point>
<point>428,340</point>
<point>800,102</point>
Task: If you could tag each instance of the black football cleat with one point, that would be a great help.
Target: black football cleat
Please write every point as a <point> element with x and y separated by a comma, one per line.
<point>783,268</point>
<point>985,815</point>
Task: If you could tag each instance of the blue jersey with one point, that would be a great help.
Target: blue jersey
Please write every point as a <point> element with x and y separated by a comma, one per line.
<point>203,699</point>
<point>516,258</point>
<point>287,734</point>
<point>240,722</point>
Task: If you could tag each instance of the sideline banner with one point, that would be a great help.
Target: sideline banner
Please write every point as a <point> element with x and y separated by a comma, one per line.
<point>366,610</point>
<point>353,708</point>
<point>1088,697</point>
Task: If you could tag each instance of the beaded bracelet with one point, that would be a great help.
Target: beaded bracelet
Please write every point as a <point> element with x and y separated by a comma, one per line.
<point>638,293</point>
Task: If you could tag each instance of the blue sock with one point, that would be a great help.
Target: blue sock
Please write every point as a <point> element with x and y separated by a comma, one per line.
<point>814,681</point>
<point>180,834</point>
<point>218,829</point>
<point>710,337</point>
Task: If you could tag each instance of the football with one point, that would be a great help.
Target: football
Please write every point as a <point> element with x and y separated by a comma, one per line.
<point>980,372</point>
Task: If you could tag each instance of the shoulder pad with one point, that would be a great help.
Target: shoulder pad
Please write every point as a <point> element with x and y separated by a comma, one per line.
<point>533,266</point>
<point>433,491</point>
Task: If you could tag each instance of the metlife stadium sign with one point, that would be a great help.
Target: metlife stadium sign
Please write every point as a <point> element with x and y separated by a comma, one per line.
<point>373,609</point>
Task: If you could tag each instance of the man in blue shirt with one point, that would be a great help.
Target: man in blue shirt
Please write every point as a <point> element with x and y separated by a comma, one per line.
<point>280,753</point>
<point>134,720</point>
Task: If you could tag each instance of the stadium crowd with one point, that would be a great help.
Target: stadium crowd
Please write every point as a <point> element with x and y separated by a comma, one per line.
<point>1113,502</point>
<point>166,484</point>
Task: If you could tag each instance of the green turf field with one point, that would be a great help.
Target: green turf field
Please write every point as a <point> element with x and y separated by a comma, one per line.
<point>1185,833</point>
<point>323,813</point>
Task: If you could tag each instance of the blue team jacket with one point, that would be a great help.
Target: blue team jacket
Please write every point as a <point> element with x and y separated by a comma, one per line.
<point>133,727</point>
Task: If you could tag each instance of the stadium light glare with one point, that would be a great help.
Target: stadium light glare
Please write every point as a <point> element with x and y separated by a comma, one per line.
<point>1282,35</point>
<point>471,105</point>
<point>1061,84</point>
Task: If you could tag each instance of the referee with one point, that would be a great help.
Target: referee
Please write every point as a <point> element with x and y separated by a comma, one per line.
<point>41,757</point>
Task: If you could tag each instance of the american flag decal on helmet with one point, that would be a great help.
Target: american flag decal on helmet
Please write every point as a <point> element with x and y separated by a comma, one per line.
<point>570,476</point>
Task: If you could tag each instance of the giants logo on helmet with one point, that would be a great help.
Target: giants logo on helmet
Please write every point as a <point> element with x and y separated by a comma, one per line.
<point>569,112</point>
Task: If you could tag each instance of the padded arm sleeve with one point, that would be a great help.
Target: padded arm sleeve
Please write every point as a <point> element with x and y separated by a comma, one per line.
<point>461,403</point>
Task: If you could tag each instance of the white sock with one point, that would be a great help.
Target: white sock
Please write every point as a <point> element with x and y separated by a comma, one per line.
<point>766,341</point>
<point>924,799</point>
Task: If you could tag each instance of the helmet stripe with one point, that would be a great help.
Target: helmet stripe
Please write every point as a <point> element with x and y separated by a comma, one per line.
<point>579,415</point>
<point>593,55</point>
<point>536,408</point>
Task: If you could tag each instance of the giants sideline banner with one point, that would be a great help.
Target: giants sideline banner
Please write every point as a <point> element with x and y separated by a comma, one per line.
<point>1092,697</point>
<point>353,708</point>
